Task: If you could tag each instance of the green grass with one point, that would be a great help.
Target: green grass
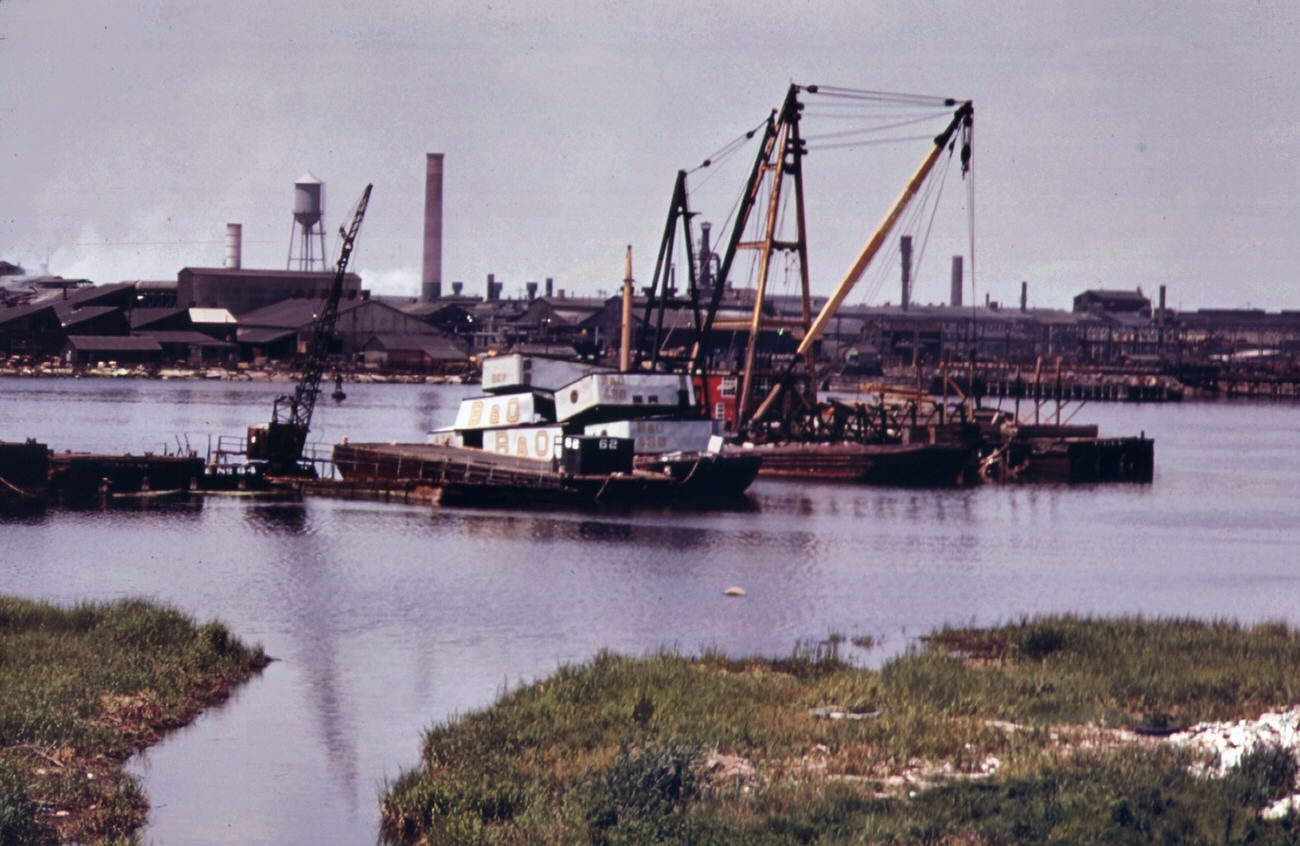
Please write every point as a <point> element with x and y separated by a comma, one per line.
<point>84,688</point>
<point>636,750</point>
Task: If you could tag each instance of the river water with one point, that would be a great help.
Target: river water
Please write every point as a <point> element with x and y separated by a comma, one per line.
<point>386,619</point>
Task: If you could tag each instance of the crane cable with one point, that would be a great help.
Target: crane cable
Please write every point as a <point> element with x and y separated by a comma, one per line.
<point>968,174</point>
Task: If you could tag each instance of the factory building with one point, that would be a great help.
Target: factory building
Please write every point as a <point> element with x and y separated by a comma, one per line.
<point>241,291</point>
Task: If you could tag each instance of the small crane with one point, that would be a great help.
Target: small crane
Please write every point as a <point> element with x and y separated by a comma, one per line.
<point>278,445</point>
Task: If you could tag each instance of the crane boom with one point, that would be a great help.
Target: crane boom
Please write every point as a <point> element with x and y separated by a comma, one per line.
<point>280,443</point>
<point>962,117</point>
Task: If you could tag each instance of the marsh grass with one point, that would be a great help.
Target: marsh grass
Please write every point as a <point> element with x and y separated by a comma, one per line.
<point>85,687</point>
<point>637,750</point>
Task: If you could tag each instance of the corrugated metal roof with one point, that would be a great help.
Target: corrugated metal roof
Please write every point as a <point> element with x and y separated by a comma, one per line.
<point>293,313</point>
<point>433,346</point>
<point>99,292</point>
<point>71,317</point>
<point>248,273</point>
<point>1111,294</point>
<point>186,336</point>
<point>18,312</point>
<point>264,336</point>
<point>142,317</point>
<point>113,343</point>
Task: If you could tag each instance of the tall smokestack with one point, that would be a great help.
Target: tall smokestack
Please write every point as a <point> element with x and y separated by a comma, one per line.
<point>905,251</point>
<point>550,287</point>
<point>706,257</point>
<point>234,245</point>
<point>491,288</point>
<point>956,280</point>
<point>531,288</point>
<point>625,345</point>
<point>1024,296</point>
<point>431,277</point>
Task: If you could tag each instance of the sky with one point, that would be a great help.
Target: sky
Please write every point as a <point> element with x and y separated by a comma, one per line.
<point>1117,144</point>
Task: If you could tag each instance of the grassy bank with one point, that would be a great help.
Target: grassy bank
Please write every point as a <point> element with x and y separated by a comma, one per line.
<point>83,688</point>
<point>1006,735</point>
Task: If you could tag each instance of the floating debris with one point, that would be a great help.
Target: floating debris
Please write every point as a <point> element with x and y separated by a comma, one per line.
<point>734,591</point>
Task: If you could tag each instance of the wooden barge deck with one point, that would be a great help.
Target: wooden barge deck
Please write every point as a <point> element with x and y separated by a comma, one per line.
<point>904,465</point>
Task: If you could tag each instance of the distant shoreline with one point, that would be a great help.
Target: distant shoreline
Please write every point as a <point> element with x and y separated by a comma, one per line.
<point>217,374</point>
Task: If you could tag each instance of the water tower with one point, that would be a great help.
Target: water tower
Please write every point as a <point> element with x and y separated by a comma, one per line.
<point>307,240</point>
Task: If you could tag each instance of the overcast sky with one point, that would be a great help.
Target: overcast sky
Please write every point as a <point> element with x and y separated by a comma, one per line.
<point>1117,144</point>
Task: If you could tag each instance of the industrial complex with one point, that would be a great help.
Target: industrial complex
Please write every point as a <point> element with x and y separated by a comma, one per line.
<point>235,318</point>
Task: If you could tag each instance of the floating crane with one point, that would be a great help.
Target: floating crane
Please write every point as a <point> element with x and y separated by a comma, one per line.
<point>278,446</point>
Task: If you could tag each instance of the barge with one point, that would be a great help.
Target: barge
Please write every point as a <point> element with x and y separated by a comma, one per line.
<point>899,465</point>
<point>450,475</point>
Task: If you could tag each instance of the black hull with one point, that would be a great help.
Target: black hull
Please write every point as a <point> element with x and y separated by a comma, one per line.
<point>460,475</point>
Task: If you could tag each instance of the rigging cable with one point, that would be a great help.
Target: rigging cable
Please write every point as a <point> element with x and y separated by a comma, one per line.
<point>727,149</point>
<point>910,224</point>
<point>881,128</point>
<point>843,145</point>
<point>879,96</point>
<point>934,212</point>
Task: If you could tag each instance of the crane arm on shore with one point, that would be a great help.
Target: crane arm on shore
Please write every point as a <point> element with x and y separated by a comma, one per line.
<point>280,443</point>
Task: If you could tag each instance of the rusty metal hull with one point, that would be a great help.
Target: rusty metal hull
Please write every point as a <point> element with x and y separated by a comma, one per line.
<point>705,475</point>
<point>462,475</point>
<point>906,465</point>
<point>1089,460</point>
<point>78,474</point>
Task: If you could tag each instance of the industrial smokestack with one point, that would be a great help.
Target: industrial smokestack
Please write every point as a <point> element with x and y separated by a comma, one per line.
<point>1024,296</point>
<point>956,280</point>
<point>531,288</point>
<point>625,345</point>
<point>550,287</point>
<point>706,257</point>
<point>905,251</point>
<point>491,288</point>
<point>456,288</point>
<point>234,245</point>
<point>431,277</point>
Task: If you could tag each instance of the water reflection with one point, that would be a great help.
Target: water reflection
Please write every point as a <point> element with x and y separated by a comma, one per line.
<point>309,593</point>
<point>278,518</point>
<point>389,618</point>
<point>144,509</point>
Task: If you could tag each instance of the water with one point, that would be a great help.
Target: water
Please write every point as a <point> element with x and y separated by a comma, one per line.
<point>386,619</point>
